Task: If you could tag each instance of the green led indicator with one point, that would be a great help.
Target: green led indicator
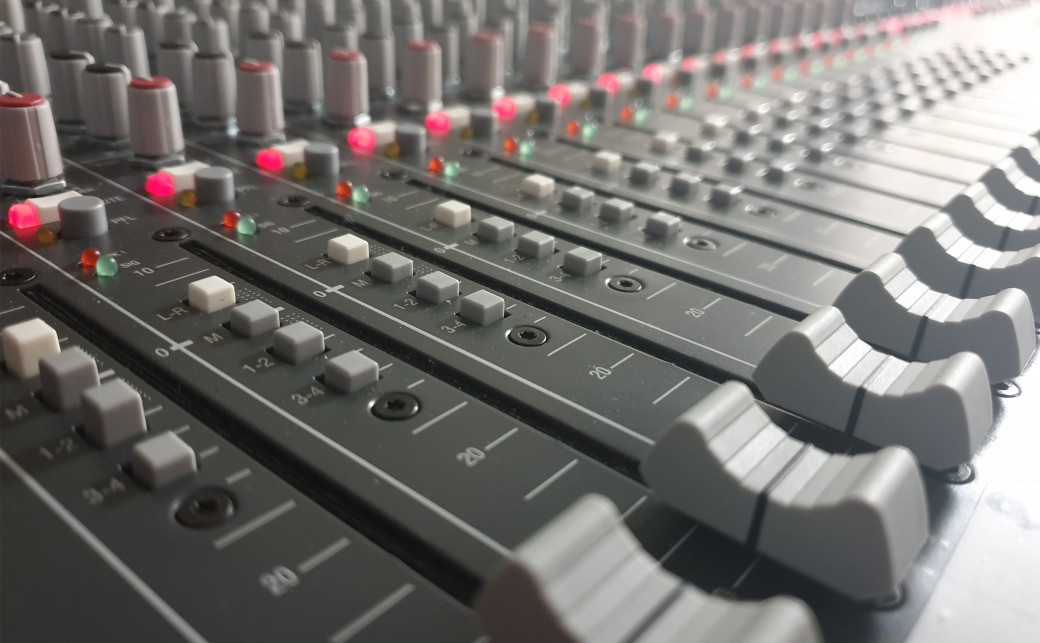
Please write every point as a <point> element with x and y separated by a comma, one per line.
<point>725,92</point>
<point>641,115</point>
<point>246,225</point>
<point>360,196</point>
<point>761,81</point>
<point>686,103</point>
<point>107,266</point>
<point>526,148</point>
<point>588,130</point>
<point>817,67</point>
<point>451,169</point>
<point>791,74</point>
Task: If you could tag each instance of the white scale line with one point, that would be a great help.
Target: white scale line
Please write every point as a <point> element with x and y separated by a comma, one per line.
<point>419,205</point>
<point>671,390</point>
<point>103,374</point>
<point>302,223</point>
<point>383,368</point>
<point>170,263</point>
<point>153,410</point>
<point>715,301</point>
<point>430,336</point>
<point>238,475</point>
<point>416,383</point>
<point>551,479</point>
<point>366,619</point>
<point>557,350</point>
<point>316,434</point>
<point>734,249</point>
<point>747,572</point>
<point>824,276</point>
<point>234,536</point>
<point>635,505</point>
<point>317,559</point>
<point>180,429</point>
<point>11,310</point>
<point>213,450</point>
<point>192,274</point>
<point>315,236</point>
<point>622,361</point>
<point>539,319</point>
<point>758,326</point>
<point>660,291</point>
<point>679,543</point>
<point>502,438</point>
<point>122,569</point>
<point>420,429</point>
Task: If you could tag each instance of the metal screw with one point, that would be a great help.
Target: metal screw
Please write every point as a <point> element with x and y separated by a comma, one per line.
<point>205,507</point>
<point>395,406</point>
<point>528,336</point>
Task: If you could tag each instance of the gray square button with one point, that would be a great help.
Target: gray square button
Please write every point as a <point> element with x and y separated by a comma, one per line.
<point>112,412</point>
<point>582,261</point>
<point>615,210</point>
<point>684,185</point>
<point>437,288</point>
<point>298,342</point>
<point>483,308</point>
<point>65,375</point>
<point>644,173</point>
<point>661,225</point>
<point>161,460</point>
<point>391,267</point>
<point>495,229</point>
<point>351,371</point>
<point>535,245</point>
<point>253,318</point>
<point>576,198</point>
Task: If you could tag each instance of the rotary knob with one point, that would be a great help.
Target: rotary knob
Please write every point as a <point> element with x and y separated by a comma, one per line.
<point>346,87</point>
<point>485,65</point>
<point>421,81</point>
<point>155,121</point>
<point>30,159</point>
<point>259,100</point>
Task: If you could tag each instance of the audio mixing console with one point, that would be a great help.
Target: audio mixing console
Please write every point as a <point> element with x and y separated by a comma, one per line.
<point>509,320</point>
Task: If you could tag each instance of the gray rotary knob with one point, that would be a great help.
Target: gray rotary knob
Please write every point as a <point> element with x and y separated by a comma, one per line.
<point>421,82</point>
<point>23,65</point>
<point>155,120</point>
<point>67,72</point>
<point>539,69</point>
<point>106,110</point>
<point>174,61</point>
<point>229,11</point>
<point>255,17</point>
<point>346,86</point>
<point>211,35</point>
<point>587,46</point>
<point>665,33</point>
<point>339,37</point>
<point>82,217</point>
<point>150,19</point>
<point>289,24</point>
<point>485,60</point>
<point>177,24</point>
<point>89,35</point>
<point>316,17</point>
<point>259,100</point>
<point>321,159</point>
<point>125,46</point>
<point>213,89</point>
<point>30,159</point>
<point>629,44</point>
<point>266,46</point>
<point>302,83</point>
<point>377,43</point>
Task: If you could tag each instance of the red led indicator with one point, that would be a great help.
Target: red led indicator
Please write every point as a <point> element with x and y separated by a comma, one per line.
<point>561,94</point>
<point>270,159</point>
<point>361,139</point>
<point>505,107</point>
<point>438,123</point>
<point>23,215</point>
<point>159,184</point>
<point>230,219</point>
<point>436,165</point>
<point>89,257</point>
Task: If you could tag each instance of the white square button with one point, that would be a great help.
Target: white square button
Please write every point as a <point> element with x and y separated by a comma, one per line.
<point>664,142</point>
<point>25,344</point>
<point>184,174</point>
<point>606,162</point>
<point>453,214</point>
<point>538,186</point>
<point>211,294</point>
<point>347,249</point>
<point>47,206</point>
